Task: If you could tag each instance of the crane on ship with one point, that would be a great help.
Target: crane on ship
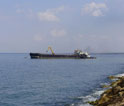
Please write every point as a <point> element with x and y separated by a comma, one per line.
<point>50,48</point>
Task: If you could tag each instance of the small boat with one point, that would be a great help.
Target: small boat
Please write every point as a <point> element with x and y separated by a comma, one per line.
<point>78,54</point>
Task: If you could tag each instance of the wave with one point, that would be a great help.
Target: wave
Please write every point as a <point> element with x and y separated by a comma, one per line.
<point>119,75</point>
<point>84,99</point>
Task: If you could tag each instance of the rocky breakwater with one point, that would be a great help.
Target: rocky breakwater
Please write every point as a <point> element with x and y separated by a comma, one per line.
<point>114,95</point>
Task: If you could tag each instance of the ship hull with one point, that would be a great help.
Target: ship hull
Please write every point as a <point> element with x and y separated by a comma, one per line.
<point>57,56</point>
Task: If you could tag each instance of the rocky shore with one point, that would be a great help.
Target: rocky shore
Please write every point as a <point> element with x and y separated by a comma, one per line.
<point>114,95</point>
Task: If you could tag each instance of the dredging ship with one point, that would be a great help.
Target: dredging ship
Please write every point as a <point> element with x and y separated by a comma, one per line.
<point>78,54</point>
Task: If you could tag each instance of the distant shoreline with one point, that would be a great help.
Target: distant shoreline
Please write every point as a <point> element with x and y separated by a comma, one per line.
<point>58,52</point>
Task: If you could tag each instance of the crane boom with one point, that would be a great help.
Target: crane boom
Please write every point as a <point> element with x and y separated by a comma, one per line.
<point>49,48</point>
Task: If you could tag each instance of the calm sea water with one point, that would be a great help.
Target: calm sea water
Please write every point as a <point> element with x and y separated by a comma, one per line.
<point>54,82</point>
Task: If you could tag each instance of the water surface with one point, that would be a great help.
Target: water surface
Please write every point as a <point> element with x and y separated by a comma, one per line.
<point>53,82</point>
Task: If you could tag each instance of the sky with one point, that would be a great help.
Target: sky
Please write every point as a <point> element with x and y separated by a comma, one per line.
<point>65,25</point>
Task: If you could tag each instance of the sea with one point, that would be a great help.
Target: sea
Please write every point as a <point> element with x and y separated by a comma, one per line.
<point>55,82</point>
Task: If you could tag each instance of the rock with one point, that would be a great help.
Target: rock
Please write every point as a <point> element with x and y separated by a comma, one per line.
<point>120,94</point>
<point>115,90</point>
<point>112,77</point>
<point>113,96</point>
<point>105,86</point>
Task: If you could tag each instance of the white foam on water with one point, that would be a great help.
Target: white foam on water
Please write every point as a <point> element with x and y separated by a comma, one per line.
<point>81,104</point>
<point>85,99</point>
<point>84,104</point>
<point>119,75</point>
<point>104,84</point>
<point>98,93</point>
<point>88,98</point>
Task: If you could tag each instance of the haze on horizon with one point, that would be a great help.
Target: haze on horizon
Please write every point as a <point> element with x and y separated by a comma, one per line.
<point>33,25</point>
